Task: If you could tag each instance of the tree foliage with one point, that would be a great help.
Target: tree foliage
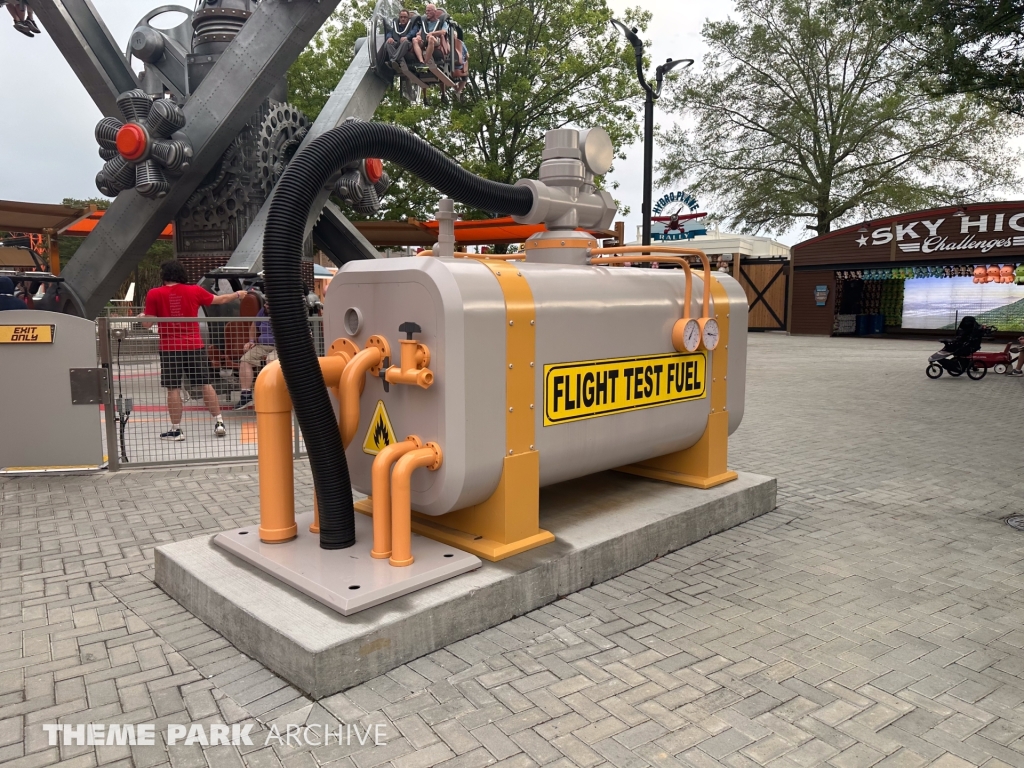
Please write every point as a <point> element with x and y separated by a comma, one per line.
<point>534,65</point>
<point>814,111</point>
<point>969,46</point>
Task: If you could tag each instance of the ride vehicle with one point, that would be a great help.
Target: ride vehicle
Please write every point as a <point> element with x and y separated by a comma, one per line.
<point>437,70</point>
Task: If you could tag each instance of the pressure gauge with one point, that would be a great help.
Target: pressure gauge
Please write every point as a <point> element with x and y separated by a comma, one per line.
<point>691,335</point>
<point>710,333</point>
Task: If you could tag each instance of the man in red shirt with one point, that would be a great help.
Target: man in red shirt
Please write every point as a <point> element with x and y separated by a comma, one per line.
<point>181,346</point>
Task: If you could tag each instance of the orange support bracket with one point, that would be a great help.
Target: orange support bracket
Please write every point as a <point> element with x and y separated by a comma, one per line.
<point>509,521</point>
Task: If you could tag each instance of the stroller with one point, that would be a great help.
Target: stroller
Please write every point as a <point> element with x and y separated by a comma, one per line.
<point>955,357</point>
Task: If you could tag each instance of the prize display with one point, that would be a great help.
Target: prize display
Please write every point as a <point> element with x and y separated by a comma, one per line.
<point>930,297</point>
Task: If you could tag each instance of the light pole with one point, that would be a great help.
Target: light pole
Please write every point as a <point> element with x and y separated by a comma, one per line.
<point>651,95</point>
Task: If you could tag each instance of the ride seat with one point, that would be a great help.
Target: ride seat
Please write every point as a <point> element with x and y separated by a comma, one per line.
<point>236,334</point>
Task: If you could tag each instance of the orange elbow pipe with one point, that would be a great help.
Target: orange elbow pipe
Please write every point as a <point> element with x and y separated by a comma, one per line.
<point>381,492</point>
<point>670,249</point>
<point>352,382</point>
<point>273,406</point>
<point>401,500</point>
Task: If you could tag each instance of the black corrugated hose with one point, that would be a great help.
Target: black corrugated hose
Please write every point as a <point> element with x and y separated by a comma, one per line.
<point>294,196</point>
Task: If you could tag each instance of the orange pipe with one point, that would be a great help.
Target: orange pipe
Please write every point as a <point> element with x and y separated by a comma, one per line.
<point>688,291</point>
<point>381,492</point>
<point>401,500</point>
<point>273,407</point>
<point>352,382</point>
<point>492,256</point>
<point>661,249</point>
<point>415,358</point>
<point>274,436</point>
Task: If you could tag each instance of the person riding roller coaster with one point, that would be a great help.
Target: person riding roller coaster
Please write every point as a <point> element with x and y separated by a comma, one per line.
<point>401,33</point>
<point>433,35</point>
<point>24,20</point>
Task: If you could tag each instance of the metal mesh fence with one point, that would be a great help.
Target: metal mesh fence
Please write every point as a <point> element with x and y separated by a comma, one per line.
<point>181,387</point>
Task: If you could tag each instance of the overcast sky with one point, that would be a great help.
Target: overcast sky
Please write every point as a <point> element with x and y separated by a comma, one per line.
<point>48,151</point>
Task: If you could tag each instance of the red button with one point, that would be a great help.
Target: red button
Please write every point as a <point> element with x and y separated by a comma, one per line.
<point>374,169</point>
<point>131,141</point>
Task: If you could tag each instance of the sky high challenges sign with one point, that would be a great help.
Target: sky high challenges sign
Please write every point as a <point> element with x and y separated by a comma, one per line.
<point>967,234</point>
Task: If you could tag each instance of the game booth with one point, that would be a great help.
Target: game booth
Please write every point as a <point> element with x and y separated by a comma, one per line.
<point>915,273</point>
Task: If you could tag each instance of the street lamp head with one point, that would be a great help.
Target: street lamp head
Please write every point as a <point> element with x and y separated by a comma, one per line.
<point>631,35</point>
<point>671,64</point>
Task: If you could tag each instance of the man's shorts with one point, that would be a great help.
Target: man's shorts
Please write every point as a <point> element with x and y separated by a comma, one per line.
<point>257,352</point>
<point>192,364</point>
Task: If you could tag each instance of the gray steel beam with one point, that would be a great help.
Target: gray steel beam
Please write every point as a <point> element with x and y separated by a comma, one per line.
<point>358,94</point>
<point>247,71</point>
<point>84,40</point>
<point>336,236</point>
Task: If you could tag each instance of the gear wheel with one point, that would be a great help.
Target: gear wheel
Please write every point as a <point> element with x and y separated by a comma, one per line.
<point>280,135</point>
<point>230,188</point>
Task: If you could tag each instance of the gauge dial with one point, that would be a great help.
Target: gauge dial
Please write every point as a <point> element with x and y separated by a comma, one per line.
<point>691,335</point>
<point>711,333</point>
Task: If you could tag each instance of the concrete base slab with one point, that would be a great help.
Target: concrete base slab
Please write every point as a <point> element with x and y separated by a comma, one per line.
<point>604,524</point>
<point>347,580</point>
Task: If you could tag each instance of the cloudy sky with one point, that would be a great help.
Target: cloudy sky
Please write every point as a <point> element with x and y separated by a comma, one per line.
<point>48,151</point>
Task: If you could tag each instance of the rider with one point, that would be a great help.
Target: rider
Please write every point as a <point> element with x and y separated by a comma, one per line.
<point>400,37</point>
<point>461,71</point>
<point>435,28</point>
<point>22,14</point>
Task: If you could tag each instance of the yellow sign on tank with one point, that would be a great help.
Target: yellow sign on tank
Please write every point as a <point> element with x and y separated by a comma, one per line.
<point>26,334</point>
<point>379,434</point>
<point>592,388</point>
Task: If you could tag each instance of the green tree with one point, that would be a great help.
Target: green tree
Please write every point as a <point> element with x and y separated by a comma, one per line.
<point>813,111</point>
<point>969,46</point>
<point>534,65</point>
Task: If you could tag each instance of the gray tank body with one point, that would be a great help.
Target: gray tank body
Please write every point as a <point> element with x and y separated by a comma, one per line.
<point>583,313</point>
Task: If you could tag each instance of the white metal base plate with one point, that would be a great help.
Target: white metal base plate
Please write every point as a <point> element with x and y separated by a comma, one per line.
<point>346,580</point>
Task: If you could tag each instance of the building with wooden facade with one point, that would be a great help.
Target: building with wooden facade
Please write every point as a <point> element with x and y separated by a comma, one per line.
<point>916,272</point>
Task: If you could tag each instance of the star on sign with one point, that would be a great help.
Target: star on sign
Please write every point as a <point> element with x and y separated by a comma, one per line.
<point>862,241</point>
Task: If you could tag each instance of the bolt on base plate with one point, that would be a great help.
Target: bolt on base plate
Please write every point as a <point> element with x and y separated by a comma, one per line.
<point>346,580</point>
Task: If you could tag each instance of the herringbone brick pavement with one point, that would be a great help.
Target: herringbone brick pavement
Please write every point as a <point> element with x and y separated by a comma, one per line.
<point>874,618</point>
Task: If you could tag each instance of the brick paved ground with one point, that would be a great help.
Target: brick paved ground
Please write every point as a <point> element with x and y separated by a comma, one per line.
<point>873,619</point>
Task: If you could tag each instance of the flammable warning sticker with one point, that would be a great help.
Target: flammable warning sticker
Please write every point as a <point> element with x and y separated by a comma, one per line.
<point>380,433</point>
<point>592,388</point>
<point>26,334</point>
